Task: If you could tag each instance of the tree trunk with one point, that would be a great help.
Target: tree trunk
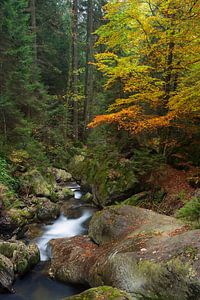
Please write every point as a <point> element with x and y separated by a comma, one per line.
<point>34,31</point>
<point>75,66</point>
<point>89,67</point>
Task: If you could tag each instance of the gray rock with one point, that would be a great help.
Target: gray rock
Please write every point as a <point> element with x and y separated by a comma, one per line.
<point>150,256</point>
<point>6,273</point>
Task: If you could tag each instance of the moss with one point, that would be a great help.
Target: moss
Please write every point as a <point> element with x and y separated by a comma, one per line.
<point>170,280</point>
<point>7,249</point>
<point>21,266</point>
<point>102,293</point>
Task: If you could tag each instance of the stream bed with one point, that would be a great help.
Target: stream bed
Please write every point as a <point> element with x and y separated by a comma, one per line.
<point>36,285</point>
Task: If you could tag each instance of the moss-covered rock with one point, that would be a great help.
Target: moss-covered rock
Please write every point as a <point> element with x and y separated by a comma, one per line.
<point>7,248</point>
<point>61,176</point>
<point>114,222</point>
<point>102,293</point>
<point>33,182</point>
<point>25,257</point>
<point>21,216</point>
<point>47,210</point>
<point>150,256</point>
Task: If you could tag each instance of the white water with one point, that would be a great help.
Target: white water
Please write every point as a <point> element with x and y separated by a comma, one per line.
<point>61,228</point>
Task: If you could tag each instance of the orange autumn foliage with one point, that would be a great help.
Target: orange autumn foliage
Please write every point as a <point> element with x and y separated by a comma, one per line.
<point>153,49</point>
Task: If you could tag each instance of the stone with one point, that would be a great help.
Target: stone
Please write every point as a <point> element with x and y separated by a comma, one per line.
<point>114,222</point>
<point>148,255</point>
<point>34,182</point>
<point>102,293</point>
<point>6,273</point>
<point>61,176</point>
<point>47,210</point>
<point>64,194</point>
<point>23,257</point>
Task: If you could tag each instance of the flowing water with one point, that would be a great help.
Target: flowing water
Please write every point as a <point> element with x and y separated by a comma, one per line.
<point>37,285</point>
<point>62,227</point>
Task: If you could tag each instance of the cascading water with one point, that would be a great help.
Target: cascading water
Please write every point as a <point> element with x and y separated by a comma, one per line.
<point>36,285</point>
<point>61,228</point>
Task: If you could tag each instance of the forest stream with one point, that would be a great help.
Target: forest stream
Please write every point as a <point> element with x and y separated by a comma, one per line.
<point>37,284</point>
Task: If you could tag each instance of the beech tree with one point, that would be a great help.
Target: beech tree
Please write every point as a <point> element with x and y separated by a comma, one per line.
<point>152,50</point>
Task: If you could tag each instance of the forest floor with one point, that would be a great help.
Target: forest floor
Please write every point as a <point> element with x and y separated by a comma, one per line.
<point>176,186</point>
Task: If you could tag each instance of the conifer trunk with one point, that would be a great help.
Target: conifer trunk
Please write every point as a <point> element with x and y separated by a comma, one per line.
<point>89,67</point>
<point>75,66</point>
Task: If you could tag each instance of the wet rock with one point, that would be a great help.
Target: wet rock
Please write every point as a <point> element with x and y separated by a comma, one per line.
<point>148,255</point>
<point>47,210</point>
<point>72,209</point>
<point>102,293</point>
<point>6,273</point>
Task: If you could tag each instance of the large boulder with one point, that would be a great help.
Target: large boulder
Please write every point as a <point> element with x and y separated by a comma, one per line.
<point>71,258</point>
<point>33,182</point>
<point>148,255</point>
<point>102,293</point>
<point>116,222</point>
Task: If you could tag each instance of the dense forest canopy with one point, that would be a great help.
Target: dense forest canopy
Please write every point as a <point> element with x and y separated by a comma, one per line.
<point>69,66</point>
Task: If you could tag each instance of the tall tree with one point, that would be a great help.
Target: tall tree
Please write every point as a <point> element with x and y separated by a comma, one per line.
<point>152,50</point>
<point>75,66</point>
<point>89,68</point>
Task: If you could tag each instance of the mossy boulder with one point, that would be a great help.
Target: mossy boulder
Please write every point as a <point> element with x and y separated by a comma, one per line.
<point>61,176</point>
<point>115,221</point>
<point>7,248</point>
<point>21,216</point>
<point>150,256</point>
<point>33,182</point>
<point>23,257</point>
<point>47,210</point>
<point>6,273</point>
<point>102,293</point>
